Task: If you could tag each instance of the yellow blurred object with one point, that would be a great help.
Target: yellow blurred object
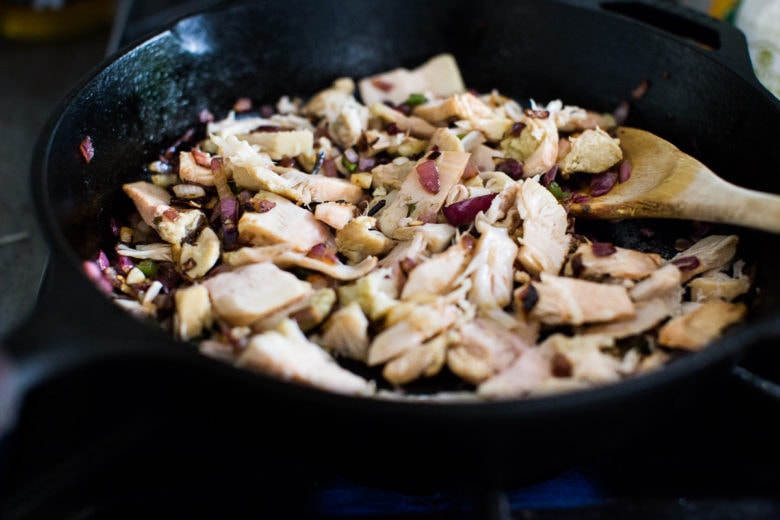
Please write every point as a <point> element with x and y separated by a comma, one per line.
<point>723,9</point>
<point>760,21</point>
<point>53,19</point>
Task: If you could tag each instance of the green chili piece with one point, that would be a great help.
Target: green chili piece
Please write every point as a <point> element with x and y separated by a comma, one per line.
<point>349,165</point>
<point>415,99</point>
<point>557,191</point>
<point>148,267</point>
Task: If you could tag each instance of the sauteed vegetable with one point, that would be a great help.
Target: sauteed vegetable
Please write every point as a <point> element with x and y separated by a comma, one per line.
<point>403,230</point>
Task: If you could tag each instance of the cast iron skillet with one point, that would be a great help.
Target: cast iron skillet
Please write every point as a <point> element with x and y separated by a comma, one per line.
<point>703,96</point>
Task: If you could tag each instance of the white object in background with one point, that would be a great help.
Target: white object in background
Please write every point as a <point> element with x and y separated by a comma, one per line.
<point>760,21</point>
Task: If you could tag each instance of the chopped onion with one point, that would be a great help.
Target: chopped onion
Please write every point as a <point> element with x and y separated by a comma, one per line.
<point>383,85</point>
<point>624,173</point>
<point>511,167</point>
<point>602,183</point>
<point>603,249</point>
<point>621,112</point>
<point>125,263</point>
<point>464,211</point>
<point>366,164</point>
<point>550,175</point>
<point>93,272</point>
<point>87,148</point>
<point>228,213</point>
<point>329,168</point>
<point>201,158</point>
<point>471,169</point>
<point>428,173</point>
<point>517,129</point>
<point>686,263</point>
<point>102,260</point>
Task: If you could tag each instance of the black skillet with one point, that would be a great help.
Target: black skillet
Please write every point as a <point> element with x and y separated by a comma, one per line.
<point>702,95</point>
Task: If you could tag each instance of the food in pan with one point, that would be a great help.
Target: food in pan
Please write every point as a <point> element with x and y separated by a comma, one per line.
<point>403,229</point>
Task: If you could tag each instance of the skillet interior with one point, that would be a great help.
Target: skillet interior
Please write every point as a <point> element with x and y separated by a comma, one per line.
<point>543,50</point>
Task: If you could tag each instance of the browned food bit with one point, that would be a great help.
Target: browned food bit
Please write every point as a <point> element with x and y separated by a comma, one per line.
<point>87,149</point>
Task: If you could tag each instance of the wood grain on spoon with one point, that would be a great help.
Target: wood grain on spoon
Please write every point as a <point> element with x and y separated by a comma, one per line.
<point>667,183</point>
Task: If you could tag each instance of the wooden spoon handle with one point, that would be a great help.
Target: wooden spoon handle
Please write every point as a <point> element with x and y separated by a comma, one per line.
<point>713,199</point>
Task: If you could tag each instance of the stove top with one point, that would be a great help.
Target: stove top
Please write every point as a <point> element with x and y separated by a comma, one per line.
<point>720,460</point>
<point>114,461</point>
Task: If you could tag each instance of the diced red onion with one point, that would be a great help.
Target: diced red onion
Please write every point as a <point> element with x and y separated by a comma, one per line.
<point>317,250</point>
<point>428,173</point>
<point>601,249</point>
<point>205,116</point>
<point>686,263</point>
<point>624,173</point>
<point>366,164</point>
<point>471,170</point>
<point>94,273</point>
<point>384,86</point>
<point>529,297</point>
<point>537,113</point>
<point>171,214</point>
<point>242,104</point>
<point>264,205</point>
<point>267,111</point>
<point>228,209</point>
<point>286,162</point>
<point>560,365</point>
<point>351,155</point>
<point>464,211</point>
<point>228,212</point>
<point>125,263</point>
<point>640,89</point>
<point>550,175</point>
<point>102,260</point>
<point>511,167</point>
<point>621,112</point>
<point>114,226</point>
<point>329,168</point>
<point>270,128</point>
<point>402,108</point>
<point>323,252</point>
<point>580,198</point>
<point>201,158</point>
<point>517,129</point>
<point>602,183</point>
<point>87,148</point>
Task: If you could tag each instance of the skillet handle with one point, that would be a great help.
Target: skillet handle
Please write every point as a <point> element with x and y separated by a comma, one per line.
<point>763,356</point>
<point>756,382</point>
<point>72,326</point>
<point>722,41</point>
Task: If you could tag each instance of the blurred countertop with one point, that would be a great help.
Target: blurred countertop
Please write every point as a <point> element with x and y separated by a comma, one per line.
<point>34,78</point>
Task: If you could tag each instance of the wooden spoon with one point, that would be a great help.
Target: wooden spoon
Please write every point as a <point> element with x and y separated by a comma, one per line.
<point>667,183</point>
